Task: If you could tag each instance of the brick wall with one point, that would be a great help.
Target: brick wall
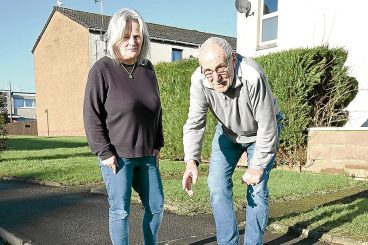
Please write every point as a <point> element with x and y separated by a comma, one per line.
<point>338,150</point>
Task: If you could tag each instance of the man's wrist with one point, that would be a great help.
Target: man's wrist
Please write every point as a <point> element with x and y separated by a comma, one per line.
<point>257,167</point>
<point>192,161</point>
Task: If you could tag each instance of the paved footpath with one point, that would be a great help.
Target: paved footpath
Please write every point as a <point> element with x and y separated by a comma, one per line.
<point>44,215</point>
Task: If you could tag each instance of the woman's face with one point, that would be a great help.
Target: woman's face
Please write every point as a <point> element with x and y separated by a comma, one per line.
<point>130,46</point>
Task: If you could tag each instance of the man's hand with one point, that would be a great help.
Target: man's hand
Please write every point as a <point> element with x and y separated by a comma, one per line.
<point>252,176</point>
<point>111,162</point>
<point>190,176</point>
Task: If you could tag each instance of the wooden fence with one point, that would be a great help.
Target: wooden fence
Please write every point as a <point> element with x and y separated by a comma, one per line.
<point>22,128</point>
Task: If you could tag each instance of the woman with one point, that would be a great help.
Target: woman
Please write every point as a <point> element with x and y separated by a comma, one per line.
<point>123,123</point>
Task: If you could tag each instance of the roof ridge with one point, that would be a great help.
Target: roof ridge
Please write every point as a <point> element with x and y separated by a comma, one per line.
<point>182,28</point>
<point>94,22</point>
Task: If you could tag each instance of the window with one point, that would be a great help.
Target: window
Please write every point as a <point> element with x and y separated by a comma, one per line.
<point>268,22</point>
<point>176,54</point>
<point>20,102</point>
<point>29,103</point>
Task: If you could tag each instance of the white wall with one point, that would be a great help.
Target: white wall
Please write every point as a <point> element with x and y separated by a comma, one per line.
<point>309,23</point>
<point>97,48</point>
<point>162,52</point>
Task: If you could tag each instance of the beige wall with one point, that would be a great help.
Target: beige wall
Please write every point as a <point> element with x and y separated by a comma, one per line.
<point>61,69</point>
<point>338,150</point>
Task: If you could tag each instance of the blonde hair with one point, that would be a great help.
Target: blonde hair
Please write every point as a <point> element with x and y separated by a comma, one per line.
<point>116,30</point>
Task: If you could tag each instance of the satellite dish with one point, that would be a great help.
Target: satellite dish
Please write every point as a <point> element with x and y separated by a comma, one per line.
<point>243,6</point>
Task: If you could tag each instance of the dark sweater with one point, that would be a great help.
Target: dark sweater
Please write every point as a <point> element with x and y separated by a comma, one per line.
<point>122,116</point>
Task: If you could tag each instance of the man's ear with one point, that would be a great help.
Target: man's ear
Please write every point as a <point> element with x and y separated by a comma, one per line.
<point>234,55</point>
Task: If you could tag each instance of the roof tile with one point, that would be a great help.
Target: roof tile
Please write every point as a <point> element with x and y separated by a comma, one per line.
<point>96,22</point>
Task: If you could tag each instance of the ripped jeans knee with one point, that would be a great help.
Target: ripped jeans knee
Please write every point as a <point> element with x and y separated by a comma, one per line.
<point>118,214</point>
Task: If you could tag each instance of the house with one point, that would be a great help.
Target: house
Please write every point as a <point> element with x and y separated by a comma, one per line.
<point>21,106</point>
<point>265,26</point>
<point>69,44</point>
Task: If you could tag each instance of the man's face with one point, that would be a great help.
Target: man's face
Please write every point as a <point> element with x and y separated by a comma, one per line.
<point>217,70</point>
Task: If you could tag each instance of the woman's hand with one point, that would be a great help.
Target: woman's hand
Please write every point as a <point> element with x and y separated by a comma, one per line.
<point>111,163</point>
<point>156,153</point>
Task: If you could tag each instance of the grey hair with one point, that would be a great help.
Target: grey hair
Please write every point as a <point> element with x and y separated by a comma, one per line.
<point>116,29</point>
<point>225,45</point>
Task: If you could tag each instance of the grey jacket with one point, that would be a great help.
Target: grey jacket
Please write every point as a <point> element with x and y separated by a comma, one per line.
<point>247,112</point>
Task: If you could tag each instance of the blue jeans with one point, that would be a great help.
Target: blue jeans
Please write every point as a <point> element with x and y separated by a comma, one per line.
<point>143,175</point>
<point>224,158</point>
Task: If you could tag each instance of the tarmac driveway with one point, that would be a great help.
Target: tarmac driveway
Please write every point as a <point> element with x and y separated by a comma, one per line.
<point>63,215</point>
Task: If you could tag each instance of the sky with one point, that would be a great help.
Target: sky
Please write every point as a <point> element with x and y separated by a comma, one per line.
<point>23,20</point>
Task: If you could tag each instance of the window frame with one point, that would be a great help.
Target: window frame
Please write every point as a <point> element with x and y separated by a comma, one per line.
<point>271,43</point>
<point>18,101</point>
<point>177,50</point>
<point>32,103</point>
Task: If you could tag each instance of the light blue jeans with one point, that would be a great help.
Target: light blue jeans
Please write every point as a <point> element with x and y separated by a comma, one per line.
<point>143,175</point>
<point>224,158</point>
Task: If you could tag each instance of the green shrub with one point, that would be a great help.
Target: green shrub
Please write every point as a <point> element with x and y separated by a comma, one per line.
<point>287,79</point>
<point>312,87</point>
<point>335,89</point>
<point>174,81</point>
<point>3,121</point>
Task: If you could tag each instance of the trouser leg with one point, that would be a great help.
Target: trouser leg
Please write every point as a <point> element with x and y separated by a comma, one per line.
<point>118,187</point>
<point>224,158</point>
<point>257,210</point>
<point>147,182</point>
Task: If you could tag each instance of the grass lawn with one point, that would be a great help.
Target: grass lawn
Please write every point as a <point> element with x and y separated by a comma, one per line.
<point>340,219</point>
<point>68,161</point>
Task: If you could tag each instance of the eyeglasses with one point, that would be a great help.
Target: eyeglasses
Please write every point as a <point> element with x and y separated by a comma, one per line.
<point>221,71</point>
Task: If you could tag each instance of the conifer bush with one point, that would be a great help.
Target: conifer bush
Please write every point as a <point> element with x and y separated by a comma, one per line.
<point>312,87</point>
<point>3,121</point>
<point>174,82</point>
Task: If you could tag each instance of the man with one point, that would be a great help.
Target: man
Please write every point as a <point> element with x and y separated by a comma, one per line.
<point>236,91</point>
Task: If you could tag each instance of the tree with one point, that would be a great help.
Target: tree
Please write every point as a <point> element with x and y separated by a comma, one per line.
<point>3,121</point>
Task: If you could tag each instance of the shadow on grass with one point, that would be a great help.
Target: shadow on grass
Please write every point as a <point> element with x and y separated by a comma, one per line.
<point>51,157</point>
<point>283,240</point>
<point>41,143</point>
<point>314,235</point>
